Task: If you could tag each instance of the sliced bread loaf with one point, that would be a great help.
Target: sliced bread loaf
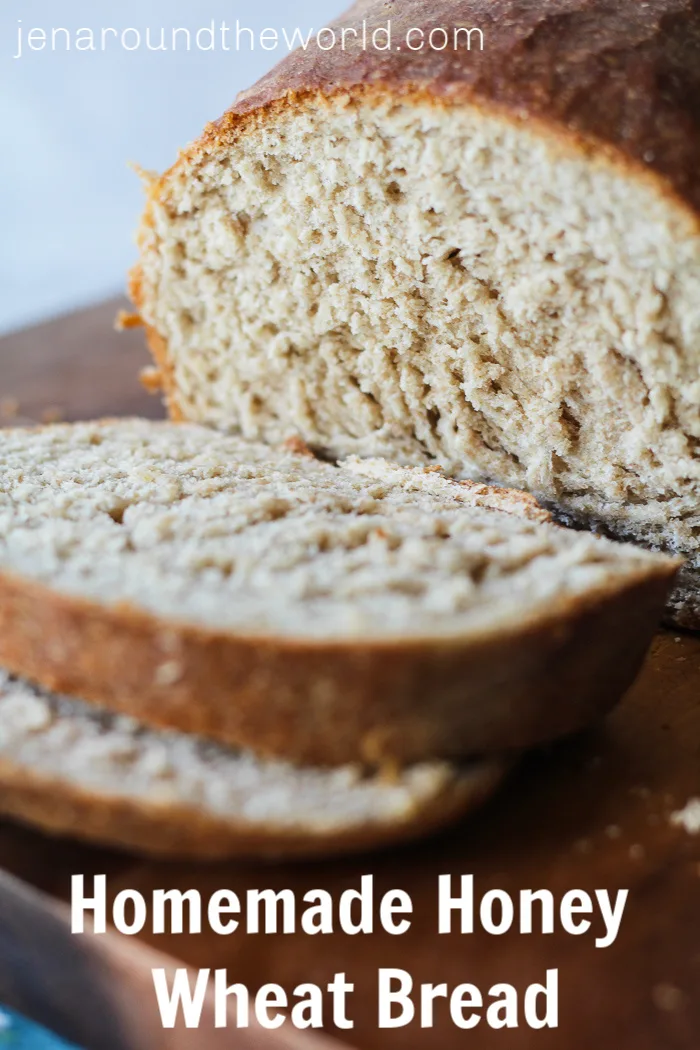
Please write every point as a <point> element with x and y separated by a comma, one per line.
<point>71,769</point>
<point>324,613</point>
<point>479,249</point>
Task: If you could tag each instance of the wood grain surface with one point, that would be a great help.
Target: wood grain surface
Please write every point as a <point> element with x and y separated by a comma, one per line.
<point>591,813</point>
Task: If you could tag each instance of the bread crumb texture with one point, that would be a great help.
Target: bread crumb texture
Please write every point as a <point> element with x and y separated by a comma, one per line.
<point>385,275</point>
<point>206,528</point>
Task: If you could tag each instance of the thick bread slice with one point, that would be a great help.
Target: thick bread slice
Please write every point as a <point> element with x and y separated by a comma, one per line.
<point>323,613</point>
<point>486,256</point>
<point>71,769</point>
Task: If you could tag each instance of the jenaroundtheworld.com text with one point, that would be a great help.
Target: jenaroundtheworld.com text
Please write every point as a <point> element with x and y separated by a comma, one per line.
<point>220,36</point>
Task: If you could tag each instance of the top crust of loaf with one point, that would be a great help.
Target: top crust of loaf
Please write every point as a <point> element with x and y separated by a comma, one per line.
<point>622,75</point>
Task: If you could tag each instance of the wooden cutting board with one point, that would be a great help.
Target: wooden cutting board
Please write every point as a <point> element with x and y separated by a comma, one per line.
<point>592,813</point>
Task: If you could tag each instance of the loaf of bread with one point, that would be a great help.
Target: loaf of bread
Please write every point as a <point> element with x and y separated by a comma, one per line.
<point>361,612</point>
<point>72,769</point>
<point>486,258</point>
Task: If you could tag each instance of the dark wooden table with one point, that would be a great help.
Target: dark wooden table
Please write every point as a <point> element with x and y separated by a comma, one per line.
<point>591,813</point>
<point>77,367</point>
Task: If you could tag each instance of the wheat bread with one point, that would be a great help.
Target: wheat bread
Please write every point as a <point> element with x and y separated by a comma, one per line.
<point>319,612</point>
<point>72,769</point>
<point>489,258</point>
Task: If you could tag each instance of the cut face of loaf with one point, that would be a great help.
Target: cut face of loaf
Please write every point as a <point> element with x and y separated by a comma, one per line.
<point>326,613</point>
<point>71,769</point>
<point>446,264</point>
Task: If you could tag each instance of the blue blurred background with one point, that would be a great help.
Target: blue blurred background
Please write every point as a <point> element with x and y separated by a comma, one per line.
<point>72,121</point>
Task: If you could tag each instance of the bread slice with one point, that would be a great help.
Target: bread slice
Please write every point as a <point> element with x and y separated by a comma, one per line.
<point>319,612</point>
<point>72,769</point>
<point>486,255</point>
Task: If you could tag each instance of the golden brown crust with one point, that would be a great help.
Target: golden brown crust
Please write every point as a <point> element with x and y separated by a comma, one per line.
<point>623,75</point>
<point>124,321</point>
<point>617,82</point>
<point>151,380</point>
<point>59,807</point>
<point>158,347</point>
<point>328,703</point>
